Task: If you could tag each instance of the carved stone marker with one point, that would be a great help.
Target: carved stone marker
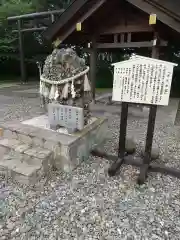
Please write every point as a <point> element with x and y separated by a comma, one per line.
<point>66,116</point>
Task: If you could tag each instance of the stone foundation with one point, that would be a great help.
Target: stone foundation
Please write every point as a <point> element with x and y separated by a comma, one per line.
<point>68,149</point>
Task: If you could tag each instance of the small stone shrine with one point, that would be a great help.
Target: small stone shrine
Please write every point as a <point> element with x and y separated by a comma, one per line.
<point>60,139</point>
<point>65,88</point>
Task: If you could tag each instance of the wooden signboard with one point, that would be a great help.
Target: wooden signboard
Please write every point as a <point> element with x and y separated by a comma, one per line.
<point>142,80</point>
<point>146,81</point>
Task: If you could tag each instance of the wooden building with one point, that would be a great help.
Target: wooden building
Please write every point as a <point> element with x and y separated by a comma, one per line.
<point>113,24</point>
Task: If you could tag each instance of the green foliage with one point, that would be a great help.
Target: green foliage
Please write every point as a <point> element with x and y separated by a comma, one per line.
<point>173,55</point>
<point>14,7</point>
<point>9,46</point>
<point>44,5</point>
<point>36,48</point>
<point>8,41</point>
<point>104,77</point>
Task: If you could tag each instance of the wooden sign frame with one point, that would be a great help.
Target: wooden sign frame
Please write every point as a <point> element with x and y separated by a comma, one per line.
<point>123,158</point>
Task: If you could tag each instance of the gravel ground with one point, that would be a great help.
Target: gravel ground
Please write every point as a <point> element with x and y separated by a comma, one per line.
<point>177,120</point>
<point>16,103</point>
<point>88,204</point>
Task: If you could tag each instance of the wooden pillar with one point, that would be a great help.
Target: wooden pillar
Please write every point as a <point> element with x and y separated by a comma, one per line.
<point>155,49</point>
<point>21,53</point>
<point>93,68</point>
<point>52,18</point>
<point>129,37</point>
<point>153,108</point>
<point>151,124</point>
<point>115,38</point>
<point>122,37</point>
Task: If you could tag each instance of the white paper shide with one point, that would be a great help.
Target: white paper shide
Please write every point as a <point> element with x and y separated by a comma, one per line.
<point>143,80</point>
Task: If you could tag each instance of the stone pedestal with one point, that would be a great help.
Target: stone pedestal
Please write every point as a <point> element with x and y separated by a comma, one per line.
<point>68,150</point>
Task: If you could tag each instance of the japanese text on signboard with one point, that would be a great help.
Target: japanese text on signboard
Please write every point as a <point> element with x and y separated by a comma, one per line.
<point>143,81</point>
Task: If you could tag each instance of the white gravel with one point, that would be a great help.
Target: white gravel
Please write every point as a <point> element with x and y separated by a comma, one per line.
<point>90,205</point>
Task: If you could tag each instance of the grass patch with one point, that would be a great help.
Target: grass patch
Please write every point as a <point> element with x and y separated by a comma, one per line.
<point>8,84</point>
<point>11,81</point>
<point>8,81</point>
<point>103,90</point>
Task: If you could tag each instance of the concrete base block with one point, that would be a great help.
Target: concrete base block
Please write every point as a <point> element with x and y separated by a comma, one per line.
<point>68,150</point>
<point>73,153</point>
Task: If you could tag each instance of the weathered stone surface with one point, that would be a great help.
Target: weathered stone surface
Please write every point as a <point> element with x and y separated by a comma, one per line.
<point>63,139</point>
<point>9,134</point>
<point>11,156</point>
<point>10,143</point>
<point>25,139</point>
<point>38,152</point>
<point>61,64</point>
<point>65,164</point>
<point>22,148</point>
<point>46,163</point>
<point>24,168</point>
<point>65,160</point>
<point>23,128</point>
<point>154,153</point>
<point>3,150</point>
<point>44,134</point>
<point>13,126</point>
<point>19,170</point>
<point>20,166</point>
<point>40,129</point>
<point>14,144</point>
<point>130,145</point>
<point>73,154</point>
<point>65,152</point>
<point>33,178</point>
<point>37,142</point>
<point>50,145</point>
<point>56,161</point>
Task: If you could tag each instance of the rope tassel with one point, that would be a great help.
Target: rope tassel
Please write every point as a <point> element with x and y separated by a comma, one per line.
<point>73,93</point>
<point>45,91</point>
<point>41,88</point>
<point>56,93</point>
<point>65,91</point>
<point>52,92</point>
<point>87,87</point>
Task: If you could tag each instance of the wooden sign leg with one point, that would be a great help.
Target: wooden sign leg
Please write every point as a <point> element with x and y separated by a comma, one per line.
<point>122,141</point>
<point>149,142</point>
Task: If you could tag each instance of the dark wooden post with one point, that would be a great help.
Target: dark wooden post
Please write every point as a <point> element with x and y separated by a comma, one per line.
<point>93,68</point>
<point>151,126</point>
<point>21,52</point>
<point>122,141</point>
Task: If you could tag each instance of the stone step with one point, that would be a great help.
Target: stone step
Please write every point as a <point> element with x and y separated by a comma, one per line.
<point>20,147</point>
<point>14,144</point>
<point>22,162</point>
<point>22,172</point>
